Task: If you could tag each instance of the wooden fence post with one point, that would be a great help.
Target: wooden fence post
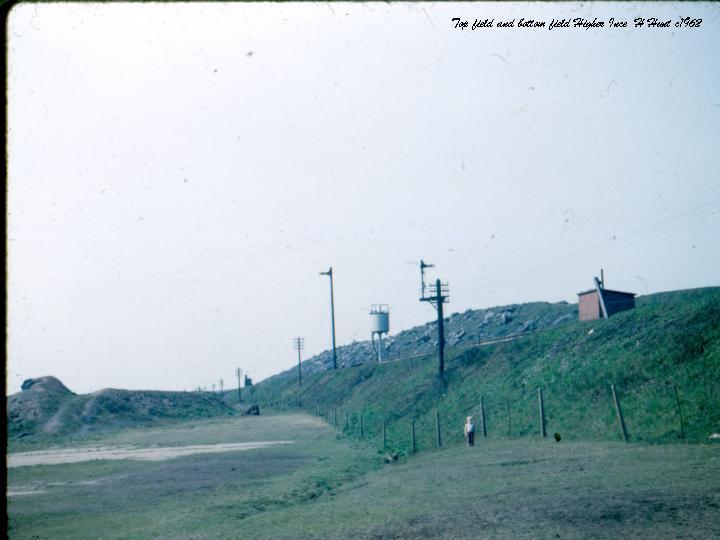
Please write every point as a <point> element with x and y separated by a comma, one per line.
<point>412,436</point>
<point>508,415</point>
<point>335,416</point>
<point>383,435</point>
<point>682,423</point>
<point>543,433</point>
<point>618,410</point>
<point>346,419</point>
<point>482,417</point>
<point>437,428</point>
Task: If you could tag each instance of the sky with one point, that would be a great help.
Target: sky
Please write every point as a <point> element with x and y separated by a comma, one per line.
<point>180,173</point>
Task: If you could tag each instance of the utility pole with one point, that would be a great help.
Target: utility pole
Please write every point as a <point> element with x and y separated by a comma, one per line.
<point>329,273</point>
<point>439,294</point>
<point>299,345</point>
<point>221,386</point>
<point>238,372</point>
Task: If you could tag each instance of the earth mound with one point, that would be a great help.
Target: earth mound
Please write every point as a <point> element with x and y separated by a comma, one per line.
<point>45,384</point>
<point>45,406</point>
<point>29,410</point>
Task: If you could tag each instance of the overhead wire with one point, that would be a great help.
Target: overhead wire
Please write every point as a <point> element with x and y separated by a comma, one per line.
<point>596,252</point>
<point>539,255</point>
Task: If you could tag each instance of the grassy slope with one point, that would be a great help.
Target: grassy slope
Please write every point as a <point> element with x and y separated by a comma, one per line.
<point>504,490</point>
<point>670,339</point>
<point>461,330</point>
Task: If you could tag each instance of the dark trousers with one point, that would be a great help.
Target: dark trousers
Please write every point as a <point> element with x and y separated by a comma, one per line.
<point>470,438</point>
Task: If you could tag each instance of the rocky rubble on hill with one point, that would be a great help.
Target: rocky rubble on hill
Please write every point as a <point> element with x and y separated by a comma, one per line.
<point>461,329</point>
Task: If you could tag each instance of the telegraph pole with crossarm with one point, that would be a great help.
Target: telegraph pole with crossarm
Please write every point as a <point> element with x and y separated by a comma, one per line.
<point>299,345</point>
<point>439,295</point>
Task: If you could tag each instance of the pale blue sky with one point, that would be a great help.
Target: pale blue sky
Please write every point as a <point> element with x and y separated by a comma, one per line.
<point>180,173</point>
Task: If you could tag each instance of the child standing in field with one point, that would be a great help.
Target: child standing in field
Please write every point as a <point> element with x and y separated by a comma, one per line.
<point>470,431</point>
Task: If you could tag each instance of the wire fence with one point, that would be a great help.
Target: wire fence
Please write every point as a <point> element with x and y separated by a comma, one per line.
<point>648,412</point>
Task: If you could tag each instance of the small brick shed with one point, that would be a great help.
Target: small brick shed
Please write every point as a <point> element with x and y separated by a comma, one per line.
<point>590,306</point>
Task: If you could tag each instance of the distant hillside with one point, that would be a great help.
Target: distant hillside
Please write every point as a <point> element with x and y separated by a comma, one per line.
<point>45,407</point>
<point>672,340</point>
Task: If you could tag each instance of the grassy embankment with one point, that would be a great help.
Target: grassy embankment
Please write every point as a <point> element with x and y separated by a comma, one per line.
<point>670,340</point>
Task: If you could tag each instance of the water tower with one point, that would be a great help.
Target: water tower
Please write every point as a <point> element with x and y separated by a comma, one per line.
<point>379,324</point>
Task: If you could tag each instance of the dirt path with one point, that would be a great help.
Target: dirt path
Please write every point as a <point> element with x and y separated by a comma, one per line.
<point>159,453</point>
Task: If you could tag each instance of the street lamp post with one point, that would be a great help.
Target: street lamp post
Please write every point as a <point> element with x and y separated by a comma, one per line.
<point>332,314</point>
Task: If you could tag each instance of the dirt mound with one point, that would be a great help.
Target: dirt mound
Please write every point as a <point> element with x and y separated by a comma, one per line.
<point>45,406</point>
<point>122,408</point>
<point>40,399</point>
<point>45,384</point>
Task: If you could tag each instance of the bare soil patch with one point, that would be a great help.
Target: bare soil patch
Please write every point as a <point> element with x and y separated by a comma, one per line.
<point>160,453</point>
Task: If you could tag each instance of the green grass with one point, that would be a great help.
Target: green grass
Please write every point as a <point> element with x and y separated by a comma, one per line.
<point>189,496</point>
<point>507,489</point>
<point>670,340</point>
<point>327,486</point>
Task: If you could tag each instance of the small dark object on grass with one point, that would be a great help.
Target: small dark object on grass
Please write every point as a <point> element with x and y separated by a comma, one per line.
<point>557,437</point>
<point>389,458</point>
<point>252,411</point>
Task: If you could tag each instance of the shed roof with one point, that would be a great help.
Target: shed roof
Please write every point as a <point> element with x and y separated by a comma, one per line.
<point>606,290</point>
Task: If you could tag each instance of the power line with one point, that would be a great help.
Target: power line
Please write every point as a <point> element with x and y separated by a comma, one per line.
<point>591,252</point>
<point>591,246</point>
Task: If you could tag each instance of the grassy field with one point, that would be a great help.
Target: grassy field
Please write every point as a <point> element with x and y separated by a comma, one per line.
<point>195,496</point>
<point>325,485</point>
